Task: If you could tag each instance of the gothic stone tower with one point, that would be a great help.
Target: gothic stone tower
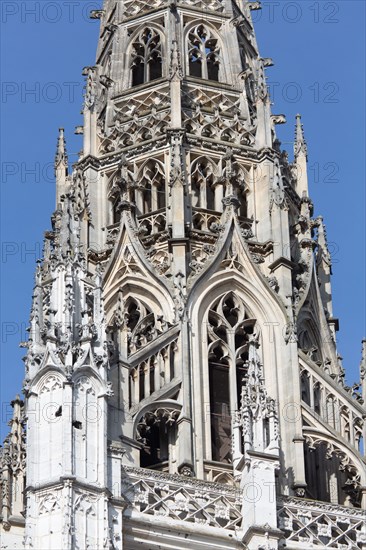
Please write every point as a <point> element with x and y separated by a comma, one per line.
<point>183,387</point>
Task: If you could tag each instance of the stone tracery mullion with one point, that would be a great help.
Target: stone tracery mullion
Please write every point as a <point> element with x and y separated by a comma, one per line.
<point>146,49</point>
<point>227,321</point>
<point>203,48</point>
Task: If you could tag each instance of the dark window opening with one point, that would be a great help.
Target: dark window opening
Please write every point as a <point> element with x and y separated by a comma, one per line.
<point>156,68</point>
<point>116,212</point>
<point>243,209</point>
<point>195,66</point>
<point>203,54</point>
<point>138,73</point>
<point>213,68</point>
<point>146,64</point>
<point>317,399</point>
<point>156,445</point>
<point>266,432</point>
<point>220,413</point>
<point>305,388</point>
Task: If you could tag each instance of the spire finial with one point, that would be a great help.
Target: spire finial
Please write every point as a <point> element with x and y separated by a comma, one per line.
<point>61,166</point>
<point>61,153</point>
<point>300,142</point>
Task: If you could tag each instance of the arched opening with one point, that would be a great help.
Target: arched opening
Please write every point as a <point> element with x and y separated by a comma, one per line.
<point>202,184</point>
<point>329,476</point>
<point>305,387</point>
<point>146,57</point>
<point>243,208</point>
<point>228,331</point>
<point>151,179</point>
<point>203,53</point>
<point>157,432</point>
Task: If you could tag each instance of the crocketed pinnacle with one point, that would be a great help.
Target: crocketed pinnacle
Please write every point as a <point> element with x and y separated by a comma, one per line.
<point>61,153</point>
<point>300,146</point>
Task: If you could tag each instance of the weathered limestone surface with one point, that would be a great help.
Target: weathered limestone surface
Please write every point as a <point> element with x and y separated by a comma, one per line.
<point>183,387</point>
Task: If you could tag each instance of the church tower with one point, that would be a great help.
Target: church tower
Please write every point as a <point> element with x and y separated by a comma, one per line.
<point>183,387</point>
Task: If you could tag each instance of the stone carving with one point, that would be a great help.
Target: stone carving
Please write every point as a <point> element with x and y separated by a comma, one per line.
<point>167,416</point>
<point>137,7</point>
<point>188,501</point>
<point>85,504</point>
<point>321,525</point>
<point>84,385</point>
<point>49,503</point>
<point>52,383</point>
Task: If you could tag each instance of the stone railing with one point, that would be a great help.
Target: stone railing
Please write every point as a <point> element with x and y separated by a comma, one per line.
<point>177,498</point>
<point>313,524</point>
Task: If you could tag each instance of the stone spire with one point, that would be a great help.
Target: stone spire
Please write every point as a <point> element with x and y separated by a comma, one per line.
<point>301,157</point>
<point>181,230</point>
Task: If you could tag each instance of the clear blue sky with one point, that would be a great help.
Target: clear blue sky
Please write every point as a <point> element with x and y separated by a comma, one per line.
<point>318,49</point>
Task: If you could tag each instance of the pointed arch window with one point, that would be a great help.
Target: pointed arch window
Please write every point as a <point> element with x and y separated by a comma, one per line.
<point>146,57</point>
<point>203,179</point>
<point>150,195</point>
<point>229,329</point>
<point>203,53</point>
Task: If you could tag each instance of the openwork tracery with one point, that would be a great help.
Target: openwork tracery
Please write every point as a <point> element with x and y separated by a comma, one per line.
<point>146,62</point>
<point>150,192</point>
<point>229,330</point>
<point>156,431</point>
<point>142,324</point>
<point>203,177</point>
<point>341,484</point>
<point>203,53</point>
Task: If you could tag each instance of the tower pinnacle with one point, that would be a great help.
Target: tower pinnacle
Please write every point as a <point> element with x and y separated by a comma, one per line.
<point>182,344</point>
<point>61,165</point>
<point>301,157</point>
<point>300,142</point>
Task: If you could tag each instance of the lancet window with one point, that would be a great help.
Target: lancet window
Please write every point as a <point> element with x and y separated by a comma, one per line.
<point>203,53</point>
<point>229,329</point>
<point>146,57</point>
<point>203,185</point>
<point>150,193</point>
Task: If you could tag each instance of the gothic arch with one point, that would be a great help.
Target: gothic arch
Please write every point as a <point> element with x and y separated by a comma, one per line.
<point>145,291</point>
<point>151,192</point>
<point>349,463</point>
<point>155,428</point>
<point>203,177</point>
<point>309,339</point>
<point>46,374</point>
<point>140,279</point>
<point>261,306</point>
<point>212,282</point>
<point>203,52</point>
<point>146,54</point>
<point>45,427</point>
<point>229,329</point>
